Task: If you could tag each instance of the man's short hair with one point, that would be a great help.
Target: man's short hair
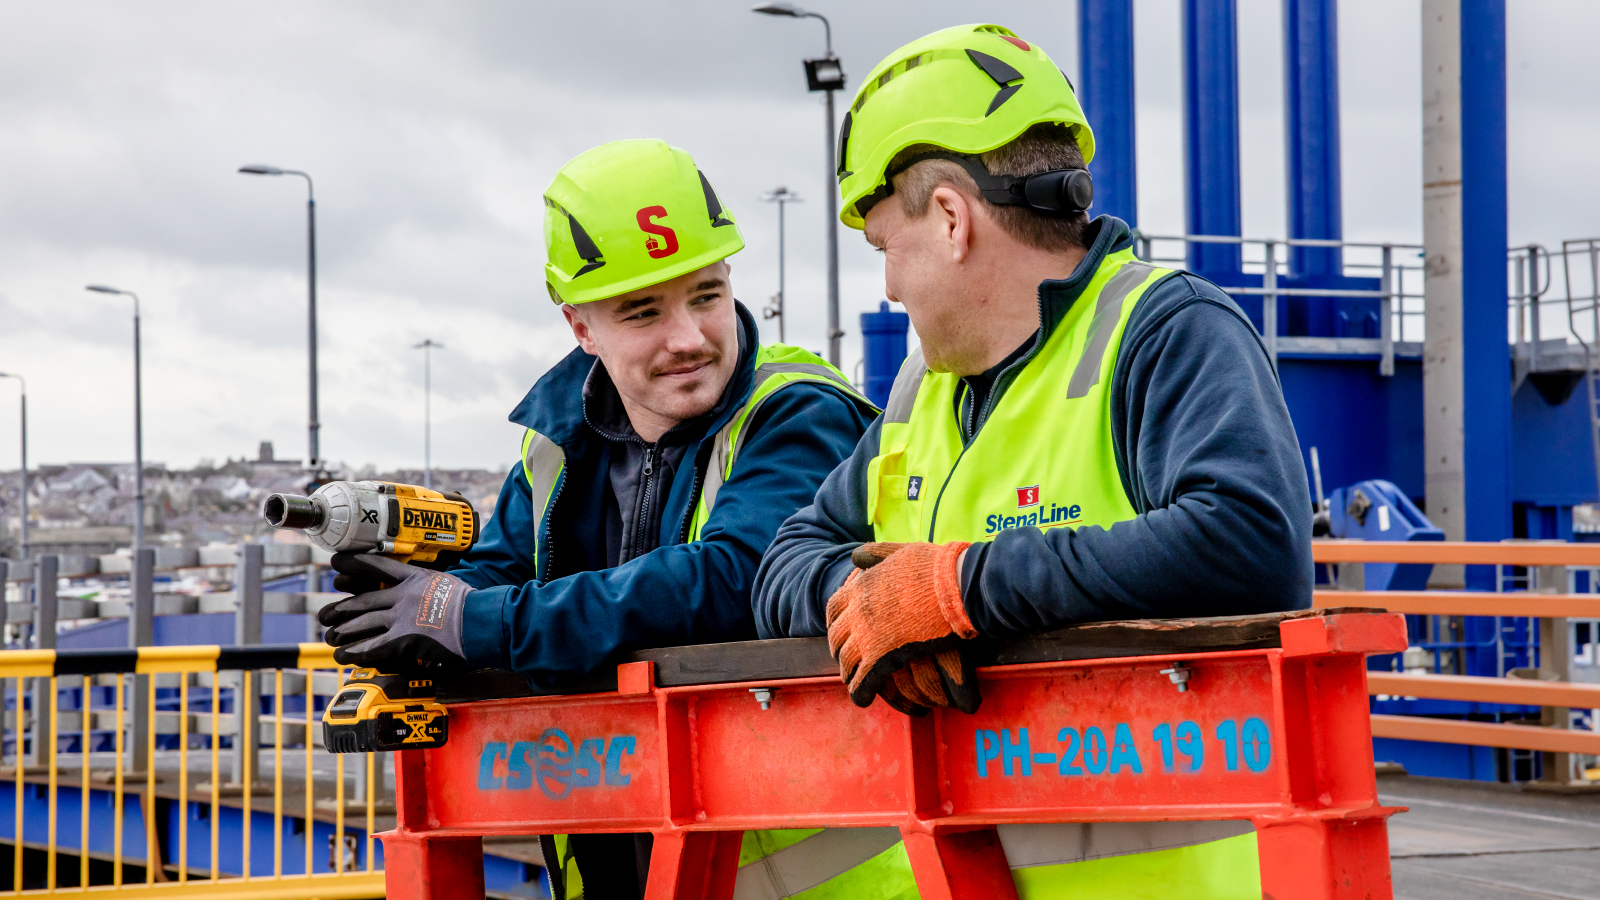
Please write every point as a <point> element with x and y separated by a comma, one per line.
<point>1041,148</point>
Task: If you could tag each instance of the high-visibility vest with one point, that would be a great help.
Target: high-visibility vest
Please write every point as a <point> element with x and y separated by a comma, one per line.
<point>543,463</point>
<point>777,367</point>
<point>1044,458</point>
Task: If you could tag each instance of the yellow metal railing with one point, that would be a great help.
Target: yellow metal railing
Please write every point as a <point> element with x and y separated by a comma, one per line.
<point>164,815</point>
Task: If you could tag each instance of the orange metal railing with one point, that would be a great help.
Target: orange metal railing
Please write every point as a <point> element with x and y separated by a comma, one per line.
<point>1561,695</point>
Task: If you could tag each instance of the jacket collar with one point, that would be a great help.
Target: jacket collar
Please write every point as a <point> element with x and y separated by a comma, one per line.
<point>1057,295</point>
<point>554,406</point>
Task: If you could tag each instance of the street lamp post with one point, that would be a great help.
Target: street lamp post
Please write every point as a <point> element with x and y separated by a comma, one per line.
<point>427,347</point>
<point>823,74</point>
<point>138,419</point>
<point>779,195</point>
<point>314,425</point>
<point>23,384</point>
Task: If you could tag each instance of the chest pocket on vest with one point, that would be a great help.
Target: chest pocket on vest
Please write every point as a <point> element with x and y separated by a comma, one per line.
<point>896,498</point>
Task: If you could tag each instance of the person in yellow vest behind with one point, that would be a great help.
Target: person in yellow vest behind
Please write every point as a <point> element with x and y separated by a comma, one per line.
<point>658,460</point>
<point>1082,436</point>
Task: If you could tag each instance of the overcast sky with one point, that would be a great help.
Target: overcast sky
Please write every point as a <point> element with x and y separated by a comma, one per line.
<point>432,130</point>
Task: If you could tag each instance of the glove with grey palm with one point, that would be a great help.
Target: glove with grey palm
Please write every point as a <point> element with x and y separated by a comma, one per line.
<point>416,618</point>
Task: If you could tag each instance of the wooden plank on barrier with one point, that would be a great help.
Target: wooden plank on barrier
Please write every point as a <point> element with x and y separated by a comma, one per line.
<point>1485,690</point>
<point>785,658</point>
<point>1457,552</point>
<point>1485,734</point>
<point>1467,603</point>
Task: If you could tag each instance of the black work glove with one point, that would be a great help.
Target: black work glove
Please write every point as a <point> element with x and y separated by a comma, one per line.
<point>419,618</point>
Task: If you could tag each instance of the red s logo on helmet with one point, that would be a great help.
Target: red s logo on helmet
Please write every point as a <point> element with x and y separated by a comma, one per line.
<point>668,244</point>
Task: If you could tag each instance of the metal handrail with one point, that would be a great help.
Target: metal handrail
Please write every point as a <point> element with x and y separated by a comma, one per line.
<point>1556,695</point>
<point>47,669</point>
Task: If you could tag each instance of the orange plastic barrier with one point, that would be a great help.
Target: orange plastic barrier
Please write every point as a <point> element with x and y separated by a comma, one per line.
<point>1279,736</point>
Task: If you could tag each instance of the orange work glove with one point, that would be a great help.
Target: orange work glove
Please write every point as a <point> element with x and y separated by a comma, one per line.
<point>921,684</point>
<point>904,610</point>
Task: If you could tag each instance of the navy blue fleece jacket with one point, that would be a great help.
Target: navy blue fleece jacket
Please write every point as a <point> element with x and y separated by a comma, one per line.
<point>1204,448</point>
<point>583,614</point>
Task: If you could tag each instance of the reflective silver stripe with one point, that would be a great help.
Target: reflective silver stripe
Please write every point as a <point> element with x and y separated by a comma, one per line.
<point>541,463</point>
<point>801,867</point>
<point>1069,842</point>
<point>903,396</point>
<point>765,370</point>
<point>716,465</point>
<point>1107,313</point>
<point>722,452</point>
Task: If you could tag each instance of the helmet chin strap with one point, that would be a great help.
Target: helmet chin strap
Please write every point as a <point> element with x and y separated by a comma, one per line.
<point>1053,192</point>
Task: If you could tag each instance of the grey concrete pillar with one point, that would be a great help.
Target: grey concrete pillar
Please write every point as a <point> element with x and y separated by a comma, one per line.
<point>1466,385</point>
<point>246,632</point>
<point>1443,428</point>
<point>141,633</point>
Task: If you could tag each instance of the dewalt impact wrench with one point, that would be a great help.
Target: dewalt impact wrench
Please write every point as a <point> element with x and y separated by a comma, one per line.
<point>375,710</point>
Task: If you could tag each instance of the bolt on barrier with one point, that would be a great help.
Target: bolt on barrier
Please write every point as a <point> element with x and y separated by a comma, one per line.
<point>162,830</point>
<point>699,744</point>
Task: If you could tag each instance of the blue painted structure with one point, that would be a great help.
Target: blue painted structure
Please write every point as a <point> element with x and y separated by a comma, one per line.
<point>1311,124</point>
<point>883,349</point>
<point>1211,136</point>
<point>1485,355</point>
<point>1377,510</point>
<point>1105,73</point>
<point>1527,461</point>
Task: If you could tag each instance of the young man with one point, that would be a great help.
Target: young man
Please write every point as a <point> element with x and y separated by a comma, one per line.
<point>1081,437</point>
<point>660,458</point>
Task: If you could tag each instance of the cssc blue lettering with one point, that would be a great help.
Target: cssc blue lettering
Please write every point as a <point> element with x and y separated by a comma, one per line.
<point>1075,511</point>
<point>988,748</point>
<point>487,780</point>
<point>519,776</point>
<point>992,524</point>
<point>1017,751</point>
<point>555,763</point>
<point>619,746</point>
<point>586,771</point>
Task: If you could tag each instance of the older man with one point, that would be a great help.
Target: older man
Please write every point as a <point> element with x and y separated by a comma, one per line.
<point>1082,436</point>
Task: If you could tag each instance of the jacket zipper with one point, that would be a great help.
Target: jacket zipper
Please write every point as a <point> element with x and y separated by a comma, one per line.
<point>642,508</point>
<point>549,514</point>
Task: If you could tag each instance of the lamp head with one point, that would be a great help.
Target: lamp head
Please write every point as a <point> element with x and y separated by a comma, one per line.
<point>779,9</point>
<point>824,74</point>
<point>260,170</point>
<point>102,289</point>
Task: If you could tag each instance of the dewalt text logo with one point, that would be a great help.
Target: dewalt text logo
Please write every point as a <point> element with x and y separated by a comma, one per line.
<point>427,518</point>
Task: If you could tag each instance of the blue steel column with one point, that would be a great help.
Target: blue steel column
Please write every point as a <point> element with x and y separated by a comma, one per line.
<point>1486,384</point>
<point>1105,62</point>
<point>1311,123</point>
<point>1211,132</point>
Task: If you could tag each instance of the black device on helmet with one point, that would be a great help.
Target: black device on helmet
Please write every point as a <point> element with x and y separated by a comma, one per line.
<point>1053,192</point>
